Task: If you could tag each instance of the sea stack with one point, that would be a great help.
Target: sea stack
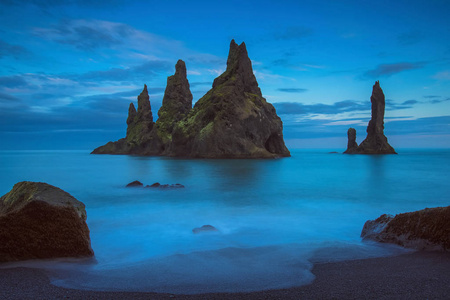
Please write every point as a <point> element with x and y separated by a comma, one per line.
<point>38,221</point>
<point>375,142</point>
<point>232,120</point>
<point>352,145</point>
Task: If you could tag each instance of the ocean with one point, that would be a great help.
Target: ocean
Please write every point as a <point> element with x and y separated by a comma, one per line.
<point>275,218</point>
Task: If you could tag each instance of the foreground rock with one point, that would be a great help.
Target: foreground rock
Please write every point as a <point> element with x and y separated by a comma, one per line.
<point>39,221</point>
<point>375,142</point>
<point>232,120</point>
<point>427,229</point>
<point>204,228</point>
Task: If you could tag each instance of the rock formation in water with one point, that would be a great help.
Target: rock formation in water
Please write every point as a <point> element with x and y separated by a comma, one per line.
<point>427,229</point>
<point>204,228</point>
<point>40,221</point>
<point>232,120</point>
<point>352,145</point>
<point>375,142</point>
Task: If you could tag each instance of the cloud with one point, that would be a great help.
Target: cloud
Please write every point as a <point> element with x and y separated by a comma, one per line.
<point>295,108</point>
<point>12,81</point>
<point>431,96</point>
<point>436,101</point>
<point>86,35</point>
<point>444,75</point>
<point>8,98</point>
<point>292,90</point>
<point>410,38</point>
<point>195,84</point>
<point>294,33</point>
<point>386,70</point>
<point>14,51</point>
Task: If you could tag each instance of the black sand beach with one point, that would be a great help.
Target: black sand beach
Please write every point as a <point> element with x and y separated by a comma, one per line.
<point>419,275</point>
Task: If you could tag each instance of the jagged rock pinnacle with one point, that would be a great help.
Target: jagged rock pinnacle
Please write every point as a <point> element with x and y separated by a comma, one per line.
<point>376,142</point>
<point>239,70</point>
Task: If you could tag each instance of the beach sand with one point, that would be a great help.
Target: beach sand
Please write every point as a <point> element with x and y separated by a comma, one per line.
<point>418,275</point>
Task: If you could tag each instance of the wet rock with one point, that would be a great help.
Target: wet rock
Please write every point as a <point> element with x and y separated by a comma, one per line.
<point>134,184</point>
<point>204,228</point>
<point>38,221</point>
<point>427,229</point>
<point>165,186</point>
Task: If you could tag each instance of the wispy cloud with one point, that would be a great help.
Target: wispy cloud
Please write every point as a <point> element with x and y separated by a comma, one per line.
<point>385,70</point>
<point>410,38</point>
<point>15,51</point>
<point>294,33</point>
<point>12,81</point>
<point>86,34</point>
<point>444,75</point>
<point>292,90</point>
<point>296,108</point>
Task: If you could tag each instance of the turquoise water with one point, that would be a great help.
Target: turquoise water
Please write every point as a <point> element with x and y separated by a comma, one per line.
<point>276,218</point>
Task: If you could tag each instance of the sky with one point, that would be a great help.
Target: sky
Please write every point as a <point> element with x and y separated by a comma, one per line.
<point>69,69</point>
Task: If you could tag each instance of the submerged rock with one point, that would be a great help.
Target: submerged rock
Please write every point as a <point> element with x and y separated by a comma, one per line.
<point>164,186</point>
<point>232,120</point>
<point>204,228</point>
<point>135,183</point>
<point>38,220</point>
<point>427,229</point>
<point>352,146</point>
<point>375,142</point>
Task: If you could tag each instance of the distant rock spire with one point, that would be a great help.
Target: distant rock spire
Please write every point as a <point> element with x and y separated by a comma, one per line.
<point>351,144</point>
<point>376,142</point>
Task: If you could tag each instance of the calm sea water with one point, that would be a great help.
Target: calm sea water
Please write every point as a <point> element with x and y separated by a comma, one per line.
<point>276,218</point>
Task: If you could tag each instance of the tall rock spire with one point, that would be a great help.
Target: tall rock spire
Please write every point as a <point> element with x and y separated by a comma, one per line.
<point>239,70</point>
<point>140,122</point>
<point>177,101</point>
<point>376,142</point>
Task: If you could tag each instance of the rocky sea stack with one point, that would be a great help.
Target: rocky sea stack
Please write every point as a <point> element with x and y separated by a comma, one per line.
<point>232,120</point>
<point>375,142</point>
<point>38,220</point>
<point>427,229</point>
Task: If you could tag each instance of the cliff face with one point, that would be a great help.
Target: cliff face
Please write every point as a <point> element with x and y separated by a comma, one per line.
<point>375,142</point>
<point>232,120</point>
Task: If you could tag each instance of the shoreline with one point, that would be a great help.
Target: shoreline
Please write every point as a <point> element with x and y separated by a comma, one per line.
<point>417,275</point>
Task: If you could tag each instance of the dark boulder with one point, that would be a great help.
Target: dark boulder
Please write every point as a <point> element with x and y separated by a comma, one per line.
<point>134,184</point>
<point>204,228</point>
<point>427,229</point>
<point>40,221</point>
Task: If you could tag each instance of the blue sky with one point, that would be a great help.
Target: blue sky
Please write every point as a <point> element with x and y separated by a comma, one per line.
<point>69,69</point>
